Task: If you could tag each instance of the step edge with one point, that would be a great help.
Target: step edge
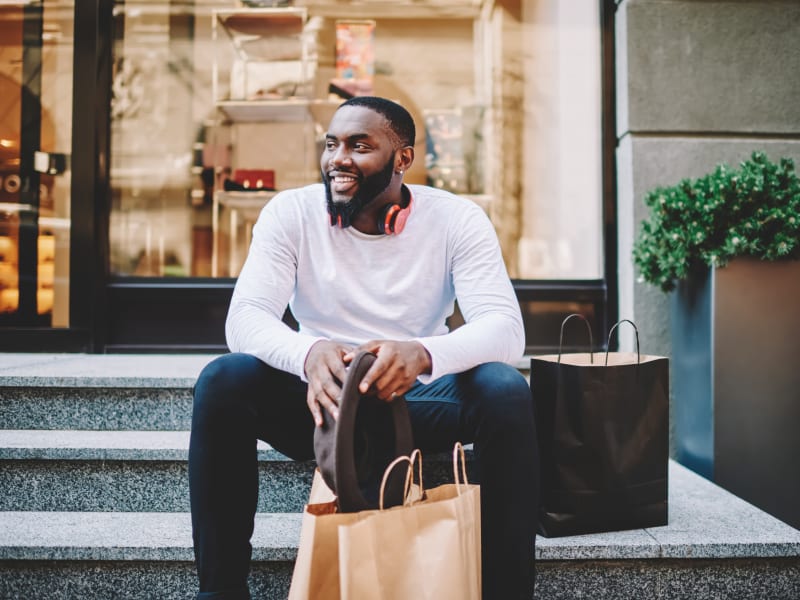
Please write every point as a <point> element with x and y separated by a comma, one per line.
<point>116,445</point>
<point>591,547</point>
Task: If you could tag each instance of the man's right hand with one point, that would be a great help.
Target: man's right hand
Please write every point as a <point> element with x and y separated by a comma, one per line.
<point>325,369</point>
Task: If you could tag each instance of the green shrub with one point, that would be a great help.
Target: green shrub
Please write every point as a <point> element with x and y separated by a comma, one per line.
<point>753,211</point>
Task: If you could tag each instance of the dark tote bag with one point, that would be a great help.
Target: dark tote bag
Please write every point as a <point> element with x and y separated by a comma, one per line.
<point>602,424</point>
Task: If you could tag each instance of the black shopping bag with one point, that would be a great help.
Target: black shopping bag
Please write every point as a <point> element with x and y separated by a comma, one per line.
<point>603,425</point>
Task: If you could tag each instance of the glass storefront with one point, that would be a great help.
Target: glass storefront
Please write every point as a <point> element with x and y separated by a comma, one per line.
<point>189,115</point>
<point>158,96</point>
<point>206,93</point>
<point>36,56</point>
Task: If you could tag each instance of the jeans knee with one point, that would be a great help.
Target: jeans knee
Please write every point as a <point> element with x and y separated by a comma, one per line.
<point>502,396</point>
<point>225,383</point>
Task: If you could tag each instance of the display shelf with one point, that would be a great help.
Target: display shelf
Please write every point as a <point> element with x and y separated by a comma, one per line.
<point>251,201</point>
<point>285,110</point>
<point>270,54</point>
<point>385,9</point>
<point>263,70</point>
<point>244,111</point>
<point>260,22</point>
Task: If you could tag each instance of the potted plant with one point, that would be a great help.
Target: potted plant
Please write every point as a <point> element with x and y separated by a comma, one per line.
<point>753,211</point>
<point>722,245</point>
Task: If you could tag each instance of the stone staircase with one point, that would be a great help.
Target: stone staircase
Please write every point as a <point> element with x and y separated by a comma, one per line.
<point>94,502</point>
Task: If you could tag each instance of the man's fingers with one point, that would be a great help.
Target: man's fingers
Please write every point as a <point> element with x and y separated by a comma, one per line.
<point>314,407</point>
<point>377,367</point>
<point>339,371</point>
<point>319,401</point>
<point>383,378</point>
<point>366,381</point>
<point>388,384</point>
<point>370,346</point>
<point>331,406</point>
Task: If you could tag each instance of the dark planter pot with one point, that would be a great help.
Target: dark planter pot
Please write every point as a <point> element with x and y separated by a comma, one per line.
<point>736,381</point>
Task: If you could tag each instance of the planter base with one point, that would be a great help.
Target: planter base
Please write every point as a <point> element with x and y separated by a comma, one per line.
<point>736,381</point>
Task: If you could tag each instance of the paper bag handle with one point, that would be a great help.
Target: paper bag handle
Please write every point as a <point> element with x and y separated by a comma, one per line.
<point>588,328</point>
<point>459,457</point>
<point>638,354</point>
<point>416,456</point>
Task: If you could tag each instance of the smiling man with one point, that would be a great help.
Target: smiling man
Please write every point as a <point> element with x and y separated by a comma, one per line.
<point>366,262</point>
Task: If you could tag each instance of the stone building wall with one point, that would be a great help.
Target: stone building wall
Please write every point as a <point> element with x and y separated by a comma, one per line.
<point>699,82</point>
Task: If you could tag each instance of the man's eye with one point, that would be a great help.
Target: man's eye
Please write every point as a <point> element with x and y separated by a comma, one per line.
<point>362,147</point>
<point>330,145</point>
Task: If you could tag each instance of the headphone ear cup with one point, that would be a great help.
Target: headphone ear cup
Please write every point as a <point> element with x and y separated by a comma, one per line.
<point>399,221</point>
<point>387,218</point>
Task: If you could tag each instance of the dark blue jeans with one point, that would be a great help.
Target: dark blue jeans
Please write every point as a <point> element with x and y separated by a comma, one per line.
<point>238,400</point>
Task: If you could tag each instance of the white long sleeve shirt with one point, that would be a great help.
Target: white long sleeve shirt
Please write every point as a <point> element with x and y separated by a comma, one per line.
<point>351,287</point>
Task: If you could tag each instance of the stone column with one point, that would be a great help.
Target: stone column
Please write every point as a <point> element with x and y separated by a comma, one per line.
<point>701,83</point>
<point>698,83</point>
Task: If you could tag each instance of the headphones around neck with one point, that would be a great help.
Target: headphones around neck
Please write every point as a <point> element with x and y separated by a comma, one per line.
<point>392,218</point>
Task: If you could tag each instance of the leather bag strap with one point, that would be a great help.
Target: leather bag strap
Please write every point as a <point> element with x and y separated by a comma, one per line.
<point>334,442</point>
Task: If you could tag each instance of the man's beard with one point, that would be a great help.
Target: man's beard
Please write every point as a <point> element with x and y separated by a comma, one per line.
<point>369,188</point>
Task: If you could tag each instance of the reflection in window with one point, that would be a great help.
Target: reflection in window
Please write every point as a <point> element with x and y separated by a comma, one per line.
<point>514,124</point>
<point>36,51</point>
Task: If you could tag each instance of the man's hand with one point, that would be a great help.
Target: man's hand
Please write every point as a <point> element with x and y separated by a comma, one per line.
<point>396,369</point>
<point>325,364</point>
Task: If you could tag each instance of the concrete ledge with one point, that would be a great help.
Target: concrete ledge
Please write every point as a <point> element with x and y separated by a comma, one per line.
<point>139,471</point>
<point>110,370</point>
<point>116,536</point>
<point>127,580</point>
<point>126,471</point>
<point>96,408</point>
<point>101,370</point>
<point>670,579</point>
<point>37,444</point>
<point>70,444</point>
<point>706,522</point>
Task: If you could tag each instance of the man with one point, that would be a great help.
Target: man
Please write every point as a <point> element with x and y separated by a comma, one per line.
<point>367,263</point>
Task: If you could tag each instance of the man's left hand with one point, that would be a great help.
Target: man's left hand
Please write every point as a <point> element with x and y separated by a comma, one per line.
<point>396,369</point>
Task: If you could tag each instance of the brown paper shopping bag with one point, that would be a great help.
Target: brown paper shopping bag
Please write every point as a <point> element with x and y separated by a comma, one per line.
<point>429,549</point>
<point>316,572</point>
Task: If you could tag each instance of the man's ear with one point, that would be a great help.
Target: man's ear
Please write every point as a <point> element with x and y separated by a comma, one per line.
<point>405,158</point>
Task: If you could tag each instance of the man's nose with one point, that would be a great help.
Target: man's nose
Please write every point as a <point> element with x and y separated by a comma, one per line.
<point>339,156</point>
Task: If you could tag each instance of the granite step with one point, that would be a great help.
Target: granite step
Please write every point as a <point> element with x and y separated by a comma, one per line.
<point>100,555</point>
<point>133,471</point>
<point>102,392</point>
<point>95,504</point>
<point>715,546</point>
<point>129,471</point>
<point>145,408</point>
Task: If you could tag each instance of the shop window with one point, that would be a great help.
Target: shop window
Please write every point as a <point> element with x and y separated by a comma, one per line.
<point>35,137</point>
<point>217,105</point>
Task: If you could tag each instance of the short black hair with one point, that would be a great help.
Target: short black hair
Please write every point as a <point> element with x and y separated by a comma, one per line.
<point>400,120</point>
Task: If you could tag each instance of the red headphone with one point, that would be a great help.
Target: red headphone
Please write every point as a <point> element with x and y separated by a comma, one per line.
<point>392,218</point>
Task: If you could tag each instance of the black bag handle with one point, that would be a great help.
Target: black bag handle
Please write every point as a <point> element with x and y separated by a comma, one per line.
<point>638,354</point>
<point>334,442</point>
<point>588,328</point>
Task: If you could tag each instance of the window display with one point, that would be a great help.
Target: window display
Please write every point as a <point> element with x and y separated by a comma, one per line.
<point>506,97</point>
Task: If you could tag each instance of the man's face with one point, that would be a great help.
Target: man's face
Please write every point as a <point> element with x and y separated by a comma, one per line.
<point>358,160</point>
